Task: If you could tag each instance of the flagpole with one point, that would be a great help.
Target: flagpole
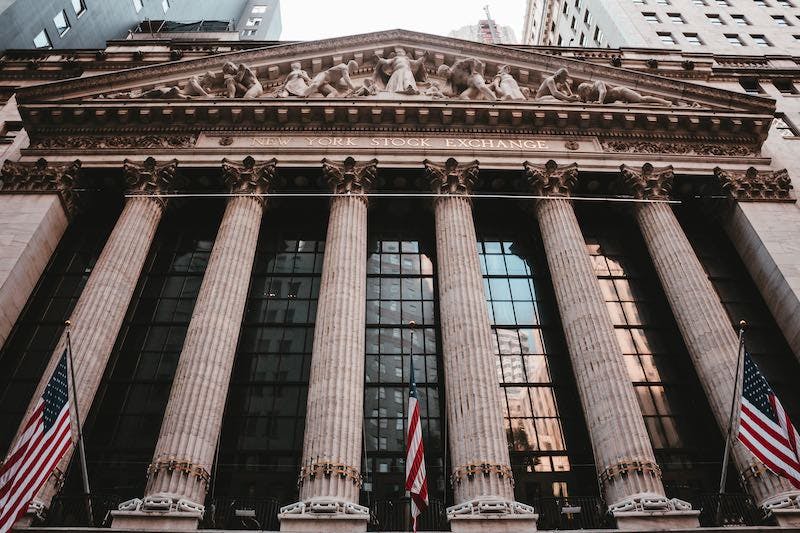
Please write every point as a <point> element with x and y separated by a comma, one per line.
<point>411,325</point>
<point>734,401</point>
<point>81,451</point>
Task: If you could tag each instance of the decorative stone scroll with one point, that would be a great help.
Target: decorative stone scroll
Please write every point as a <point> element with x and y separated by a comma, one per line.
<point>96,142</point>
<point>753,185</point>
<point>40,177</point>
<point>468,472</point>
<point>649,183</point>
<point>149,177</point>
<point>350,177</point>
<point>327,469</point>
<point>650,147</point>
<point>452,178</point>
<point>551,179</point>
<point>248,177</point>
<point>185,467</point>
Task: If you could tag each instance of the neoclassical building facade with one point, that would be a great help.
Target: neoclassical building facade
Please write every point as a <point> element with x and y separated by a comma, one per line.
<point>252,244</point>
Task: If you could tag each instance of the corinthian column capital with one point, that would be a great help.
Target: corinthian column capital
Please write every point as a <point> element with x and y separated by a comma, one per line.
<point>39,177</point>
<point>350,177</point>
<point>249,177</point>
<point>754,185</point>
<point>648,183</point>
<point>452,178</point>
<point>149,177</point>
<point>551,179</point>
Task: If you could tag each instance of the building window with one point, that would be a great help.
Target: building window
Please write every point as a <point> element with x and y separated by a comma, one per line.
<point>42,40</point>
<point>784,3</point>
<point>61,22</point>
<point>751,85</point>
<point>723,3</point>
<point>676,18</point>
<point>651,17</point>
<point>79,6</point>
<point>666,38</point>
<point>780,20</point>
<point>137,5</point>
<point>663,2</point>
<point>761,3</point>
<point>693,39</point>
<point>714,20</point>
<point>734,39</point>
<point>784,128</point>
<point>254,21</point>
<point>760,40</point>
<point>249,33</point>
<point>259,9</point>
<point>740,20</point>
<point>639,2</point>
<point>165,5</point>
<point>700,2</point>
<point>785,86</point>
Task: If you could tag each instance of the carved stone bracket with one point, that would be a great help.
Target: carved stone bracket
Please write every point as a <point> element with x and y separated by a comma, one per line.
<point>150,178</point>
<point>181,466</point>
<point>248,177</point>
<point>614,472</point>
<point>648,183</point>
<point>468,472</point>
<point>551,179</point>
<point>349,177</point>
<point>452,178</point>
<point>752,185</point>
<point>40,177</point>
<point>326,469</point>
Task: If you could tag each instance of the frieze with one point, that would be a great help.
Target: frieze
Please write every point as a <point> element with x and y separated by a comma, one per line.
<point>92,142</point>
<point>651,147</point>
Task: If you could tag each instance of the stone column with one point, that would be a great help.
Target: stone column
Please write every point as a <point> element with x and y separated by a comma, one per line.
<point>482,478</point>
<point>704,325</point>
<point>36,203</point>
<point>178,477</point>
<point>101,308</point>
<point>629,477</point>
<point>330,474</point>
<point>763,224</point>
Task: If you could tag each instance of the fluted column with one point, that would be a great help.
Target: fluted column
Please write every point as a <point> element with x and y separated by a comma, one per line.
<point>704,325</point>
<point>101,308</point>
<point>627,469</point>
<point>479,447</point>
<point>179,474</point>
<point>330,474</point>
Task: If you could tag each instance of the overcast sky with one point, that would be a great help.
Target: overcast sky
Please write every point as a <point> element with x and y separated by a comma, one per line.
<point>306,20</point>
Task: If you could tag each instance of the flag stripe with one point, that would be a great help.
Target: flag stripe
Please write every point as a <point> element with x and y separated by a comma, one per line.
<point>416,478</point>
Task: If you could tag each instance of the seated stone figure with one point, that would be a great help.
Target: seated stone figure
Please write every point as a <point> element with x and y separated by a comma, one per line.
<point>506,86</point>
<point>465,80</point>
<point>296,82</point>
<point>599,92</point>
<point>241,81</point>
<point>329,81</point>
<point>557,86</point>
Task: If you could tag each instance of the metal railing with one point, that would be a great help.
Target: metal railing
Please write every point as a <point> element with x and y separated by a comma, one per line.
<point>242,513</point>
<point>727,510</point>
<point>583,512</point>
<point>70,510</point>
<point>394,515</point>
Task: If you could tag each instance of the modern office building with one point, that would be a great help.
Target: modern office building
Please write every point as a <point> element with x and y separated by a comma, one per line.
<point>747,27</point>
<point>75,24</point>
<point>486,31</point>
<point>241,262</point>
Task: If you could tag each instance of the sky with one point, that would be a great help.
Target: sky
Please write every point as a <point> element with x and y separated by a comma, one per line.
<point>306,20</point>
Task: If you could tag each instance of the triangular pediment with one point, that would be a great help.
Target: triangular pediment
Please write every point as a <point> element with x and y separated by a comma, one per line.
<point>434,69</point>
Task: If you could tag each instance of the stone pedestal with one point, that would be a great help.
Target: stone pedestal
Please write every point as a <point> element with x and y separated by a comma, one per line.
<point>483,483</point>
<point>704,325</point>
<point>101,308</point>
<point>179,474</point>
<point>330,474</point>
<point>629,476</point>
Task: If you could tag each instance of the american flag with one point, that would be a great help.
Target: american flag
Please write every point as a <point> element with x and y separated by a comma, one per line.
<point>416,479</point>
<point>765,428</point>
<point>47,437</point>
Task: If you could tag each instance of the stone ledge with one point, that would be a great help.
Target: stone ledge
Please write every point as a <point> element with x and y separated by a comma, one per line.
<point>500,523</point>
<point>155,520</point>
<point>329,523</point>
<point>657,520</point>
<point>786,517</point>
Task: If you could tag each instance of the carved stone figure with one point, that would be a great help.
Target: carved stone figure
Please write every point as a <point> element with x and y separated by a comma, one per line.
<point>196,86</point>
<point>601,93</point>
<point>434,91</point>
<point>557,86</point>
<point>241,81</point>
<point>327,81</point>
<point>505,86</point>
<point>465,80</point>
<point>368,88</point>
<point>400,73</point>
<point>296,82</point>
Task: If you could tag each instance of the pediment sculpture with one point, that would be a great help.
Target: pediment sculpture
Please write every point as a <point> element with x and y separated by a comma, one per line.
<point>399,76</point>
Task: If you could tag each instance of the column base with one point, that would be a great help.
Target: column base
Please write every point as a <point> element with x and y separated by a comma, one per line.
<point>786,517</point>
<point>657,520</point>
<point>494,515</point>
<point>324,514</point>
<point>157,513</point>
<point>785,509</point>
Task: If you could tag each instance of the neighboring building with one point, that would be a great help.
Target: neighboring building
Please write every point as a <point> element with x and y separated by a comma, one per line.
<point>751,27</point>
<point>486,31</point>
<point>533,25</point>
<point>241,273</point>
<point>73,24</point>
